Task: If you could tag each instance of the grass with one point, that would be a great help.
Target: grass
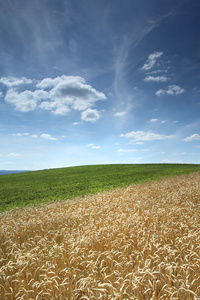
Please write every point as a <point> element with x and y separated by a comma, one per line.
<point>66,183</point>
<point>139,242</point>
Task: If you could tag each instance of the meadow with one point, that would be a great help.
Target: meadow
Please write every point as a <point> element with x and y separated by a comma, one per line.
<point>137,242</point>
<point>66,183</point>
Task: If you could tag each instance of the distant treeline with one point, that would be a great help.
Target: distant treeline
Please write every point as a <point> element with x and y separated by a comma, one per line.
<point>7,172</point>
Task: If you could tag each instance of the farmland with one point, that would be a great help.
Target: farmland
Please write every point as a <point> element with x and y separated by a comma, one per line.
<point>136,242</point>
<point>66,183</point>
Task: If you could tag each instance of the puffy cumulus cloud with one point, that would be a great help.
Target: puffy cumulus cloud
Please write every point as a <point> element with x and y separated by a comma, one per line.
<point>52,82</point>
<point>13,81</point>
<point>90,115</point>
<point>156,78</point>
<point>151,61</point>
<point>47,136</point>
<point>138,136</point>
<point>25,101</point>
<point>56,108</point>
<point>58,95</point>
<point>172,90</point>
<point>69,91</point>
<point>193,137</point>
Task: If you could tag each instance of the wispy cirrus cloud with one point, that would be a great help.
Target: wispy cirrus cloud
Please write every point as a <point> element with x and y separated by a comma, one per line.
<point>126,150</point>
<point>151,61</point>
<point>14,155</point>
<point>144,136</point>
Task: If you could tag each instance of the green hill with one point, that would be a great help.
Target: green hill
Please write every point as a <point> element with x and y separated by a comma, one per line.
<point>66,183</point>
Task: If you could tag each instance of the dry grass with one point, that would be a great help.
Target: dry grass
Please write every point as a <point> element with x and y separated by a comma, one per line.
<point>140,242</point>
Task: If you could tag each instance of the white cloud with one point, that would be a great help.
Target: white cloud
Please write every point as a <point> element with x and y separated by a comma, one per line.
<point>90,115</point>
<point>15,155</point>
<point>160,92</point>
<point>77,123</point>
<point>127,150</point>
<point>139,143</point>
<point>93,146</point>
<point>47,136</point>
<point>35,136</point>
<point>172,90</point>
<point>51,82</point>
<point>193,137</point>
<point>171,161</point>
<point>145,136</point>
<point>25,101</point>
<point>20,134</point>
<point>120,114</point>
<point>13,81</point>
<point>149,64</point>
<point>153,120</point>
<point>156,79</point>
<point>69,91</point>
<point>61,110</point>
<point>59,95</point>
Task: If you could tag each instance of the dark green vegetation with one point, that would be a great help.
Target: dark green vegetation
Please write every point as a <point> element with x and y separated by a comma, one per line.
<point>65,183</point>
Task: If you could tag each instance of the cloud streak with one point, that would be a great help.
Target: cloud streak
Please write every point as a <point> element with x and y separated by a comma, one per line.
<point>156,79</point>
<point>142,136</point>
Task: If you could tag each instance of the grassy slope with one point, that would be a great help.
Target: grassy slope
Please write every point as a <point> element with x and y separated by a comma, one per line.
<point>64,183</point>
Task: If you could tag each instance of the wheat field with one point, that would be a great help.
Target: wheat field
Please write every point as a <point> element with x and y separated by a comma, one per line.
<point>140,242</point>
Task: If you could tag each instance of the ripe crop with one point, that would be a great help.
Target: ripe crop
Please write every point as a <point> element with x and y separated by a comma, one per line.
<point>139,242</point>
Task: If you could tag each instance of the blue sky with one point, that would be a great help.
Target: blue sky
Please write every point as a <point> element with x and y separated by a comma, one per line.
<point>97,81</point>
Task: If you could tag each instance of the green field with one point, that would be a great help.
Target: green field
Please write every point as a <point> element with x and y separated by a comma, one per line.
<point>66,183</point>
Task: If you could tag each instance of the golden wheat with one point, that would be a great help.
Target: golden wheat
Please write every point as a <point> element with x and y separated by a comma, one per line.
<point>140,242</point>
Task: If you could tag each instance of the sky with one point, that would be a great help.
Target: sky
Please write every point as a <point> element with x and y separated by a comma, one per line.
<point>99,82</point>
